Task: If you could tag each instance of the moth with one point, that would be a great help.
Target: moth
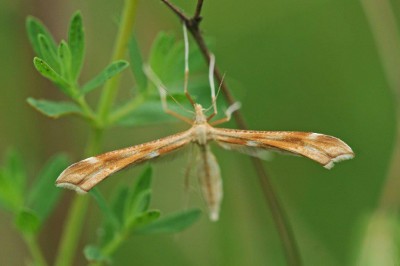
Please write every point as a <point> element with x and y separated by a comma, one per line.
<point>325,150</point>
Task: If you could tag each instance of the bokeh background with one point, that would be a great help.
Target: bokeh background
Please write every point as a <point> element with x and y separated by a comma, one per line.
<point>307,65</point>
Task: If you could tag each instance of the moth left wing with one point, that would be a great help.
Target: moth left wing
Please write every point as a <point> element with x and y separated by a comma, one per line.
<point>324,149</point>
<point>84,175</point>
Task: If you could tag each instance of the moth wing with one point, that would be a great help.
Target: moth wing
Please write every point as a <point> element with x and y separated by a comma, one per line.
<point>84,175</point>
<point>324,149</point>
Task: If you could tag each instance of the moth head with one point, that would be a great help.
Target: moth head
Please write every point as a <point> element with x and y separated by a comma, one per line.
<point>199,112</point>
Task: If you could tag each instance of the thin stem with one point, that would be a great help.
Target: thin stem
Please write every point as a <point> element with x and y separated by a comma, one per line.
<point>72,231</point>
<point>279,216</point>
<point>75,220</point>
<point>125,31</point>
<point>38,258</point>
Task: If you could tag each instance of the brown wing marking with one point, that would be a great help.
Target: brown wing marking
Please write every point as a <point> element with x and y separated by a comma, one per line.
<point>84,175</point>
<point>323,149</point>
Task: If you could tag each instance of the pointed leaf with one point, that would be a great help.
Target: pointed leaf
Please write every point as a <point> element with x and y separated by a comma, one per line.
<point>35,27</point>
<point>52,75</point>
<point>171,223</point>
<point>44,195</point>
<point>64,55</point>
<point>54,109</point>
<point>76,41</point>
<point>119,203</point>
<point>137,64</point>
<point>140,196</point>
<point>48,53</point>
<point>139,205</point>
<point>111,70</point>
<point>27,222</point>
<point>101,202</point>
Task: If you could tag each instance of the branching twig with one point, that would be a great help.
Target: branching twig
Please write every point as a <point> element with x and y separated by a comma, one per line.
<point>278,214</point>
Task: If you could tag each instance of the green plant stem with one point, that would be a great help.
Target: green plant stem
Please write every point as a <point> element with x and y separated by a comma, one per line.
<point>72,231</point>
<point>38,258</point>
<point>87,110</point>
<point>75,220</point>
<point>125,31</point>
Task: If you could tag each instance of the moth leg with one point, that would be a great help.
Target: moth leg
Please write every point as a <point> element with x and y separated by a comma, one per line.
<point>186,77</point>
<point>212,87</point>
<point>228,114</point>
<point>163,94</point>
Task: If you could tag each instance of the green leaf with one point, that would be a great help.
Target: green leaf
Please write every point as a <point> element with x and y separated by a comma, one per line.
<point>137,64</point>
<point>101,202</point>
<point>111,70</point>
<point>150,112</point>
<point>12,182</point>
<point>54,109</point>
<point>76,41</point>
<point>34,28</point>
<point>143,183</point>
<point>119,203</point>
<point>160,48</point>
<point>145,218</point>
<point>43,196</point>
<point>64,55</point>
<point>94,254</point>
<point>52,75</point>
<point>48,54</point>
<point>171,223</point>
<point>14,168</point>
<point>139,197</point>
<point>27,222</point>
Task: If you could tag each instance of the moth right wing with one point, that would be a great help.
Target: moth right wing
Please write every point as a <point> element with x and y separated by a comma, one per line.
<point>324,149</point>
<point>84,175</point>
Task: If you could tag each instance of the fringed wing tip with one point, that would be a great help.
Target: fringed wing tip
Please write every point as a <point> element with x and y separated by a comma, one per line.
<point>72,187</point>
<point>339,158</point>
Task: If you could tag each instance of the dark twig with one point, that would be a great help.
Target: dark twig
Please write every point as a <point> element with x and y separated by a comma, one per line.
<point>278,214</point>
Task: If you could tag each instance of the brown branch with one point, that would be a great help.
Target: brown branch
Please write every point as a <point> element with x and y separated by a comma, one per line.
<point>278,214</point>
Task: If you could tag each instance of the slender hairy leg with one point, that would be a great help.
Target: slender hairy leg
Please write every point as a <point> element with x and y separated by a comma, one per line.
<point>186,79</point>
<point>228,114</point>
<point>212,87</point>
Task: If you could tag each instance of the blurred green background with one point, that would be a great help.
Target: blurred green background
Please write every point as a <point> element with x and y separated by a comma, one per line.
<point>295,65</point>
